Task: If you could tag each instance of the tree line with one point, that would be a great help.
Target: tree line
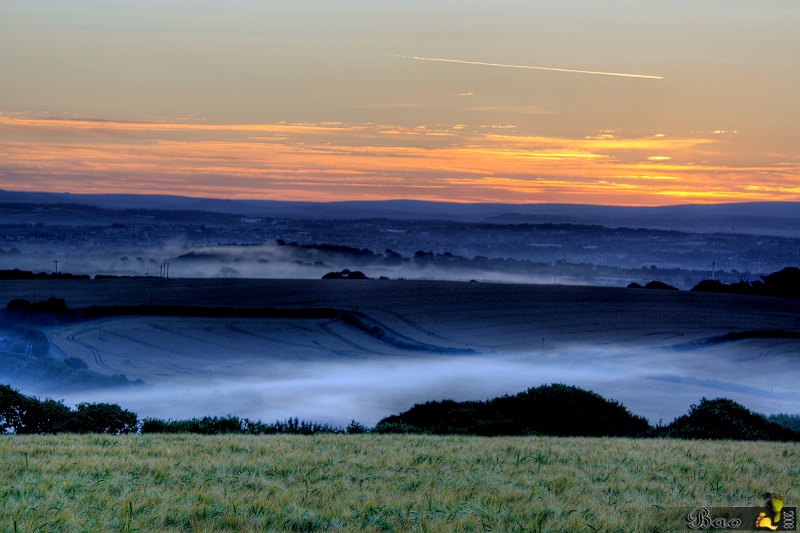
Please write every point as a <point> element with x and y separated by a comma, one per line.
<point>549,410</point>
<point>562,410</point>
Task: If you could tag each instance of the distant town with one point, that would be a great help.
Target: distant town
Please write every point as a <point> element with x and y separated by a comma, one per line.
<point>93,240</point>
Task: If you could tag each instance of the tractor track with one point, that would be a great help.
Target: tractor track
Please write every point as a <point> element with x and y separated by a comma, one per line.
<point>98,358</point>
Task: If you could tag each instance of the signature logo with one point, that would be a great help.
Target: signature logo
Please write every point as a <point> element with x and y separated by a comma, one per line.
<point>773,516</point>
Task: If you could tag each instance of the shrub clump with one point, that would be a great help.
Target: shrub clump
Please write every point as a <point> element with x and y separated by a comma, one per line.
<point>53,305</point>
<point>558,409</point>
<point>656,285</point>
<point>345,274</point>
<point>725,419</point>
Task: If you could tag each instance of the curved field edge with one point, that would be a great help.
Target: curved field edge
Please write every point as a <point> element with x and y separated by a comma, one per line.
<point>378,482</point>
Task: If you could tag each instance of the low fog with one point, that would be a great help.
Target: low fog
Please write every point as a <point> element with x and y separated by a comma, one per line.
<point>267,261</point>
<point>655,384</point>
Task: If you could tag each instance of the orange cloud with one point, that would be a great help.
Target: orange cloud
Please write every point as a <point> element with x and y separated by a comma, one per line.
<point>336,161</point>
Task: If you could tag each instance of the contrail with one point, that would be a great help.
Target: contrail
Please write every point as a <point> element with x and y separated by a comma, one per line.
<point>620,74</point>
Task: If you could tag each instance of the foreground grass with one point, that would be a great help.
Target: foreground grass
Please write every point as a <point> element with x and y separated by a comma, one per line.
<point>377,482</point>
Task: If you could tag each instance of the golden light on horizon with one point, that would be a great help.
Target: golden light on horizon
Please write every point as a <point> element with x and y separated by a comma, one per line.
<point>337,161</point>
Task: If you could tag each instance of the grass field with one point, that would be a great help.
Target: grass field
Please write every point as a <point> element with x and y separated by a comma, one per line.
<point>378,482</point>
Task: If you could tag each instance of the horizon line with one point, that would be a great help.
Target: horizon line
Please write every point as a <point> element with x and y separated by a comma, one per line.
<point>419,200</point>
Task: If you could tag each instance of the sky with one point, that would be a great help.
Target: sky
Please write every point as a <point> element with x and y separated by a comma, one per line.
<point>557,101</point>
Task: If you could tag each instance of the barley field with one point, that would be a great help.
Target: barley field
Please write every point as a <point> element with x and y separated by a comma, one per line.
<point>378,482</point>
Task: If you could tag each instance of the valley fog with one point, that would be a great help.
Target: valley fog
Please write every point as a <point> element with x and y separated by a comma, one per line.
<point>383,346</point>
<point>650,384</point>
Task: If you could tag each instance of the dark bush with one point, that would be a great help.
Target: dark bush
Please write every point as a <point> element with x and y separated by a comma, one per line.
<point>547,410</point>
<point>19,305</point>
<point>43,416</point>
<point>784,283</point>
<point>657,285</point>
<point>28,415</point>
<point>48,312</point>
<point>570,411</point>
<point>52,305</point>
<point>710,285</point>
<point>345,274</point>
<point>56,306</point>
<point>101,418</point>
<point>725,419</point>
<point>660,285</point>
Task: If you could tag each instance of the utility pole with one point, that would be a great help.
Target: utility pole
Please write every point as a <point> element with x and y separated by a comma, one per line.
<point>56,262</point>
<point>713,270</point>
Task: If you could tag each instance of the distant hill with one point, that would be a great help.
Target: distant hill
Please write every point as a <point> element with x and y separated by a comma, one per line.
<point>763,218</point>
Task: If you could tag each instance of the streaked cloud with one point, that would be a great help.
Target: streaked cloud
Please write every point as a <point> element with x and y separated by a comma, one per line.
<point>337,161</point>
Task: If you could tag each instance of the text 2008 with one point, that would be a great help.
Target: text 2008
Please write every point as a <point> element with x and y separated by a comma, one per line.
<point>788,521</point>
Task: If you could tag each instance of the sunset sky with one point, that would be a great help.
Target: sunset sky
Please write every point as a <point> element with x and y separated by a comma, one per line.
<point>467,101</point>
